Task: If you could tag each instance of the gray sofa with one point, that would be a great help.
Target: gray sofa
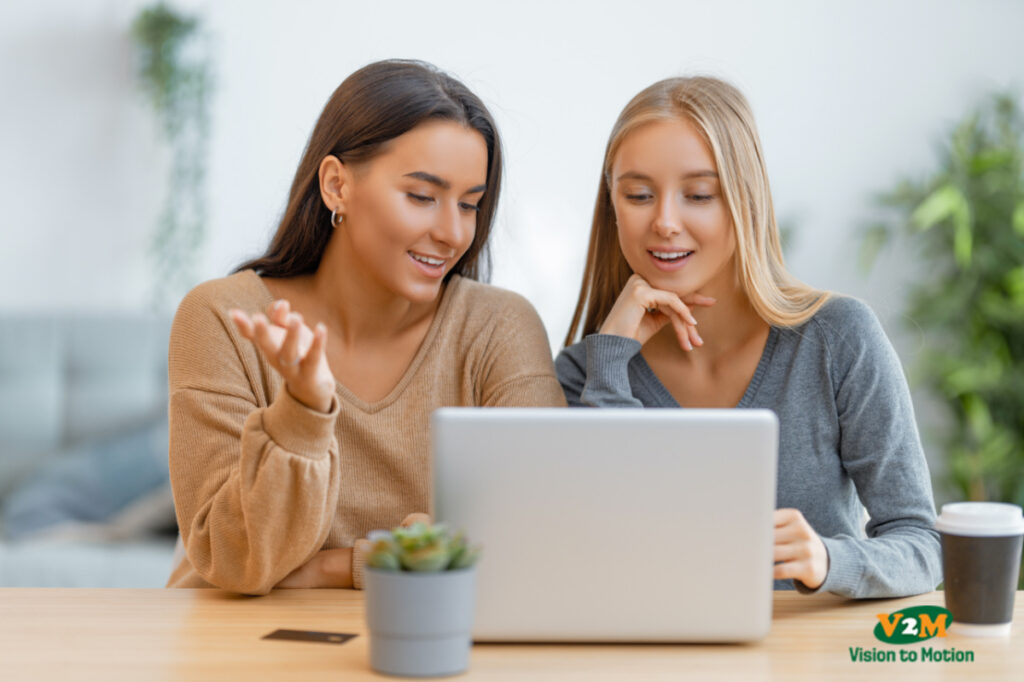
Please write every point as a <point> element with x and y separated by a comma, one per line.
<point>84,496</point>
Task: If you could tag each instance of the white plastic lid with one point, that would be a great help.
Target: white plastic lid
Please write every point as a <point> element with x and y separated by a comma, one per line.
<point>972,630</point>
<point>985,519</point>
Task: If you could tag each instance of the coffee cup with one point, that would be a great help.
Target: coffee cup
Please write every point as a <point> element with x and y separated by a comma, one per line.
<point>981,553</point>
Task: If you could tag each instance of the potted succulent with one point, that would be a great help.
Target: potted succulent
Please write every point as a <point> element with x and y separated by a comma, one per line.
<point>420,587</point>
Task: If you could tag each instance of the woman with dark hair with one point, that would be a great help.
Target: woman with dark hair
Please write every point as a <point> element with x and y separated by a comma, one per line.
<point>297,431</point>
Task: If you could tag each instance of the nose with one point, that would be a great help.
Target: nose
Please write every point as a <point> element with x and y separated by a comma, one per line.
<point>453,228</point>
<point>666,221</point>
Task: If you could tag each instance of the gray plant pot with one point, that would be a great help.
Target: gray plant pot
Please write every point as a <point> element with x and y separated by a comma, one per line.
<point>420,623</point>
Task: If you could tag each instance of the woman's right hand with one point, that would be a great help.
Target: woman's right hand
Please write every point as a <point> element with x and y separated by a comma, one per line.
<point>641,311</point>
<point>333,567</point>
<point>296,352</point>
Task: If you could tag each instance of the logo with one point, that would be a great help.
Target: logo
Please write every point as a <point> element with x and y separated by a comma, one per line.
<point>909,626</point>
<point>914,624</point>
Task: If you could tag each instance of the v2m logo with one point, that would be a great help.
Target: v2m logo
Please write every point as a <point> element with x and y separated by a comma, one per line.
<point>915,624</point>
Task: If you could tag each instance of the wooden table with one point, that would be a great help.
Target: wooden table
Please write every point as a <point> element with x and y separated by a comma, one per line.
<point>121,634</point>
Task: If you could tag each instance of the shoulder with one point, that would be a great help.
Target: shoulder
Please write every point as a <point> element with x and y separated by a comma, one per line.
<point>484,321</point>
<point>476,307</point>
<point>847,323</point>
<point>840,312</point>
<point>487,300</point>
<point>203,336</point>
<point>852,336</point>
<point>240,290</point>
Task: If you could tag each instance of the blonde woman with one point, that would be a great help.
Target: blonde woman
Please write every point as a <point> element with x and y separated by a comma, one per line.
<point>686,302</point>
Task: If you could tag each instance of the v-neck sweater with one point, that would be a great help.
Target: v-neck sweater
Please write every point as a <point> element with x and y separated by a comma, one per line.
<point>847,438</point>
<point>262,483</point>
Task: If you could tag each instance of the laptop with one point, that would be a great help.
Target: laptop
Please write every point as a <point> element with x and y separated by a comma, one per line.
<point>613,525</point>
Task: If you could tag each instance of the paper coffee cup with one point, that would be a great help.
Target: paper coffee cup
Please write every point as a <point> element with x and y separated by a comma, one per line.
<point>981,552</point>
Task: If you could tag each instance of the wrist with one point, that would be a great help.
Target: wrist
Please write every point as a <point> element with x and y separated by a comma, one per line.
<point>315,403</point>
<point>611,328</point>
<point>336,568</point>
<point>360,553</point>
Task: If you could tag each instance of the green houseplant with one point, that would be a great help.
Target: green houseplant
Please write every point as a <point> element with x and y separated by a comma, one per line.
<point>420,587</point>
<point>966,219</point>
<point>174,72</point>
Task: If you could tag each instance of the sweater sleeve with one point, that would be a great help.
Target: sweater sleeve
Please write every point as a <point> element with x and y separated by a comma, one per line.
<point>255,485</point>
<point>881,451</point>
<point>516,368</point>
<point>595,373</point>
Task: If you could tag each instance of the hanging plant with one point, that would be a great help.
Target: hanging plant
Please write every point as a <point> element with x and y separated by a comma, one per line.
<point>174,72</point>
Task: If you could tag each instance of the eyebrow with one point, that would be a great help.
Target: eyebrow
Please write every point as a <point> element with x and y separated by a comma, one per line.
<point>635,175</point>
<point>441,182</point>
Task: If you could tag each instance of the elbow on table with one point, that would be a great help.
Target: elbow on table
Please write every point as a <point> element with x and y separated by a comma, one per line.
<point>249,585</point>
<point>240,577</point>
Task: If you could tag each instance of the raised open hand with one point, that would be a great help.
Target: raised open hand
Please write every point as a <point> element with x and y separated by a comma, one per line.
<point>294,350</point>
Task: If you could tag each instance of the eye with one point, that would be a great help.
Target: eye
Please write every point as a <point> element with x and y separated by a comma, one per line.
<point>419,198</point>
<point>701,198</point>
<point>469,207</point>
<point>639,198</point>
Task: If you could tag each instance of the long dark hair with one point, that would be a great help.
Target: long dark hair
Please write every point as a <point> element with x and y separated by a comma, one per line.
<point>376,104</point>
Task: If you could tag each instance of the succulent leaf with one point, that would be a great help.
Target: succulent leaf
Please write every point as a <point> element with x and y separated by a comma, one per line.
<point>421,548</point>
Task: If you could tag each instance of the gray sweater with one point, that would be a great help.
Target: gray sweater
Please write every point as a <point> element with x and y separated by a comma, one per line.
<point>847,431</point>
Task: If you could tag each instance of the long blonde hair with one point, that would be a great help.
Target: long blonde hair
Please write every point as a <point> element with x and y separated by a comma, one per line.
<point>723,117</point>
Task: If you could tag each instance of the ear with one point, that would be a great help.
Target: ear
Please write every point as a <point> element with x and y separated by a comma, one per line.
<point>335,183</point>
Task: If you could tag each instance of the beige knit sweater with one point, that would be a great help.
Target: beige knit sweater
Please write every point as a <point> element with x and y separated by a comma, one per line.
<point>262,483</point>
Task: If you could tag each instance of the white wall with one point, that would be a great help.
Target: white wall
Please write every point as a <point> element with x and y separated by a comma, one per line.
<point>849,95</point>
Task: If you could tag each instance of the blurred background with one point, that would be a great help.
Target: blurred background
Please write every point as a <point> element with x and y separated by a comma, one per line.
<point>148,147</point>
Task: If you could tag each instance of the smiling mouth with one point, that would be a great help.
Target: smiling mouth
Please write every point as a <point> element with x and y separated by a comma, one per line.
<point>670,256</point>
<point>428,260</point>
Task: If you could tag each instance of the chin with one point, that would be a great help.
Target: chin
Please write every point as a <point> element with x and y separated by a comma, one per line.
<point>680,285</point>
<point>422,292</point>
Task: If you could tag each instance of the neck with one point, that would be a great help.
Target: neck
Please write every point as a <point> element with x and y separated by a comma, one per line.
<point>726,327</point>
<point>357,307</point>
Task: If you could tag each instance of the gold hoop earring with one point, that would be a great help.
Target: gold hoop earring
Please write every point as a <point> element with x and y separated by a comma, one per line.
<point>336,218</point>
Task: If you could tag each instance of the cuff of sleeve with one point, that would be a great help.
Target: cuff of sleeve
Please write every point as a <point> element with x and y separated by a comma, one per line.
<point>844,573</point>
<point>609,348</point>
<point>360,550</point>
<point>299,429</point>
<point>608,359</point>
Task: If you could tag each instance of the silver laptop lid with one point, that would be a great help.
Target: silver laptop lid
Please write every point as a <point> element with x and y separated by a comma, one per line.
<point>613,525</point>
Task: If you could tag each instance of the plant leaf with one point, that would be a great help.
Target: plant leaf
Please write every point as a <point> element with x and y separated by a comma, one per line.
<point>963,240</point>
<point>465,559</point>
<point>1018,219</point>
<point>384,560</point>
<point>939,205</point>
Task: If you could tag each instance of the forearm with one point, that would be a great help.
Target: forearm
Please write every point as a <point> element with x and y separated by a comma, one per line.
<point>901,563</point>
<point>607,381</point>
<point>540,390</point>
<point>328,568</point>
<point>250,519</point>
